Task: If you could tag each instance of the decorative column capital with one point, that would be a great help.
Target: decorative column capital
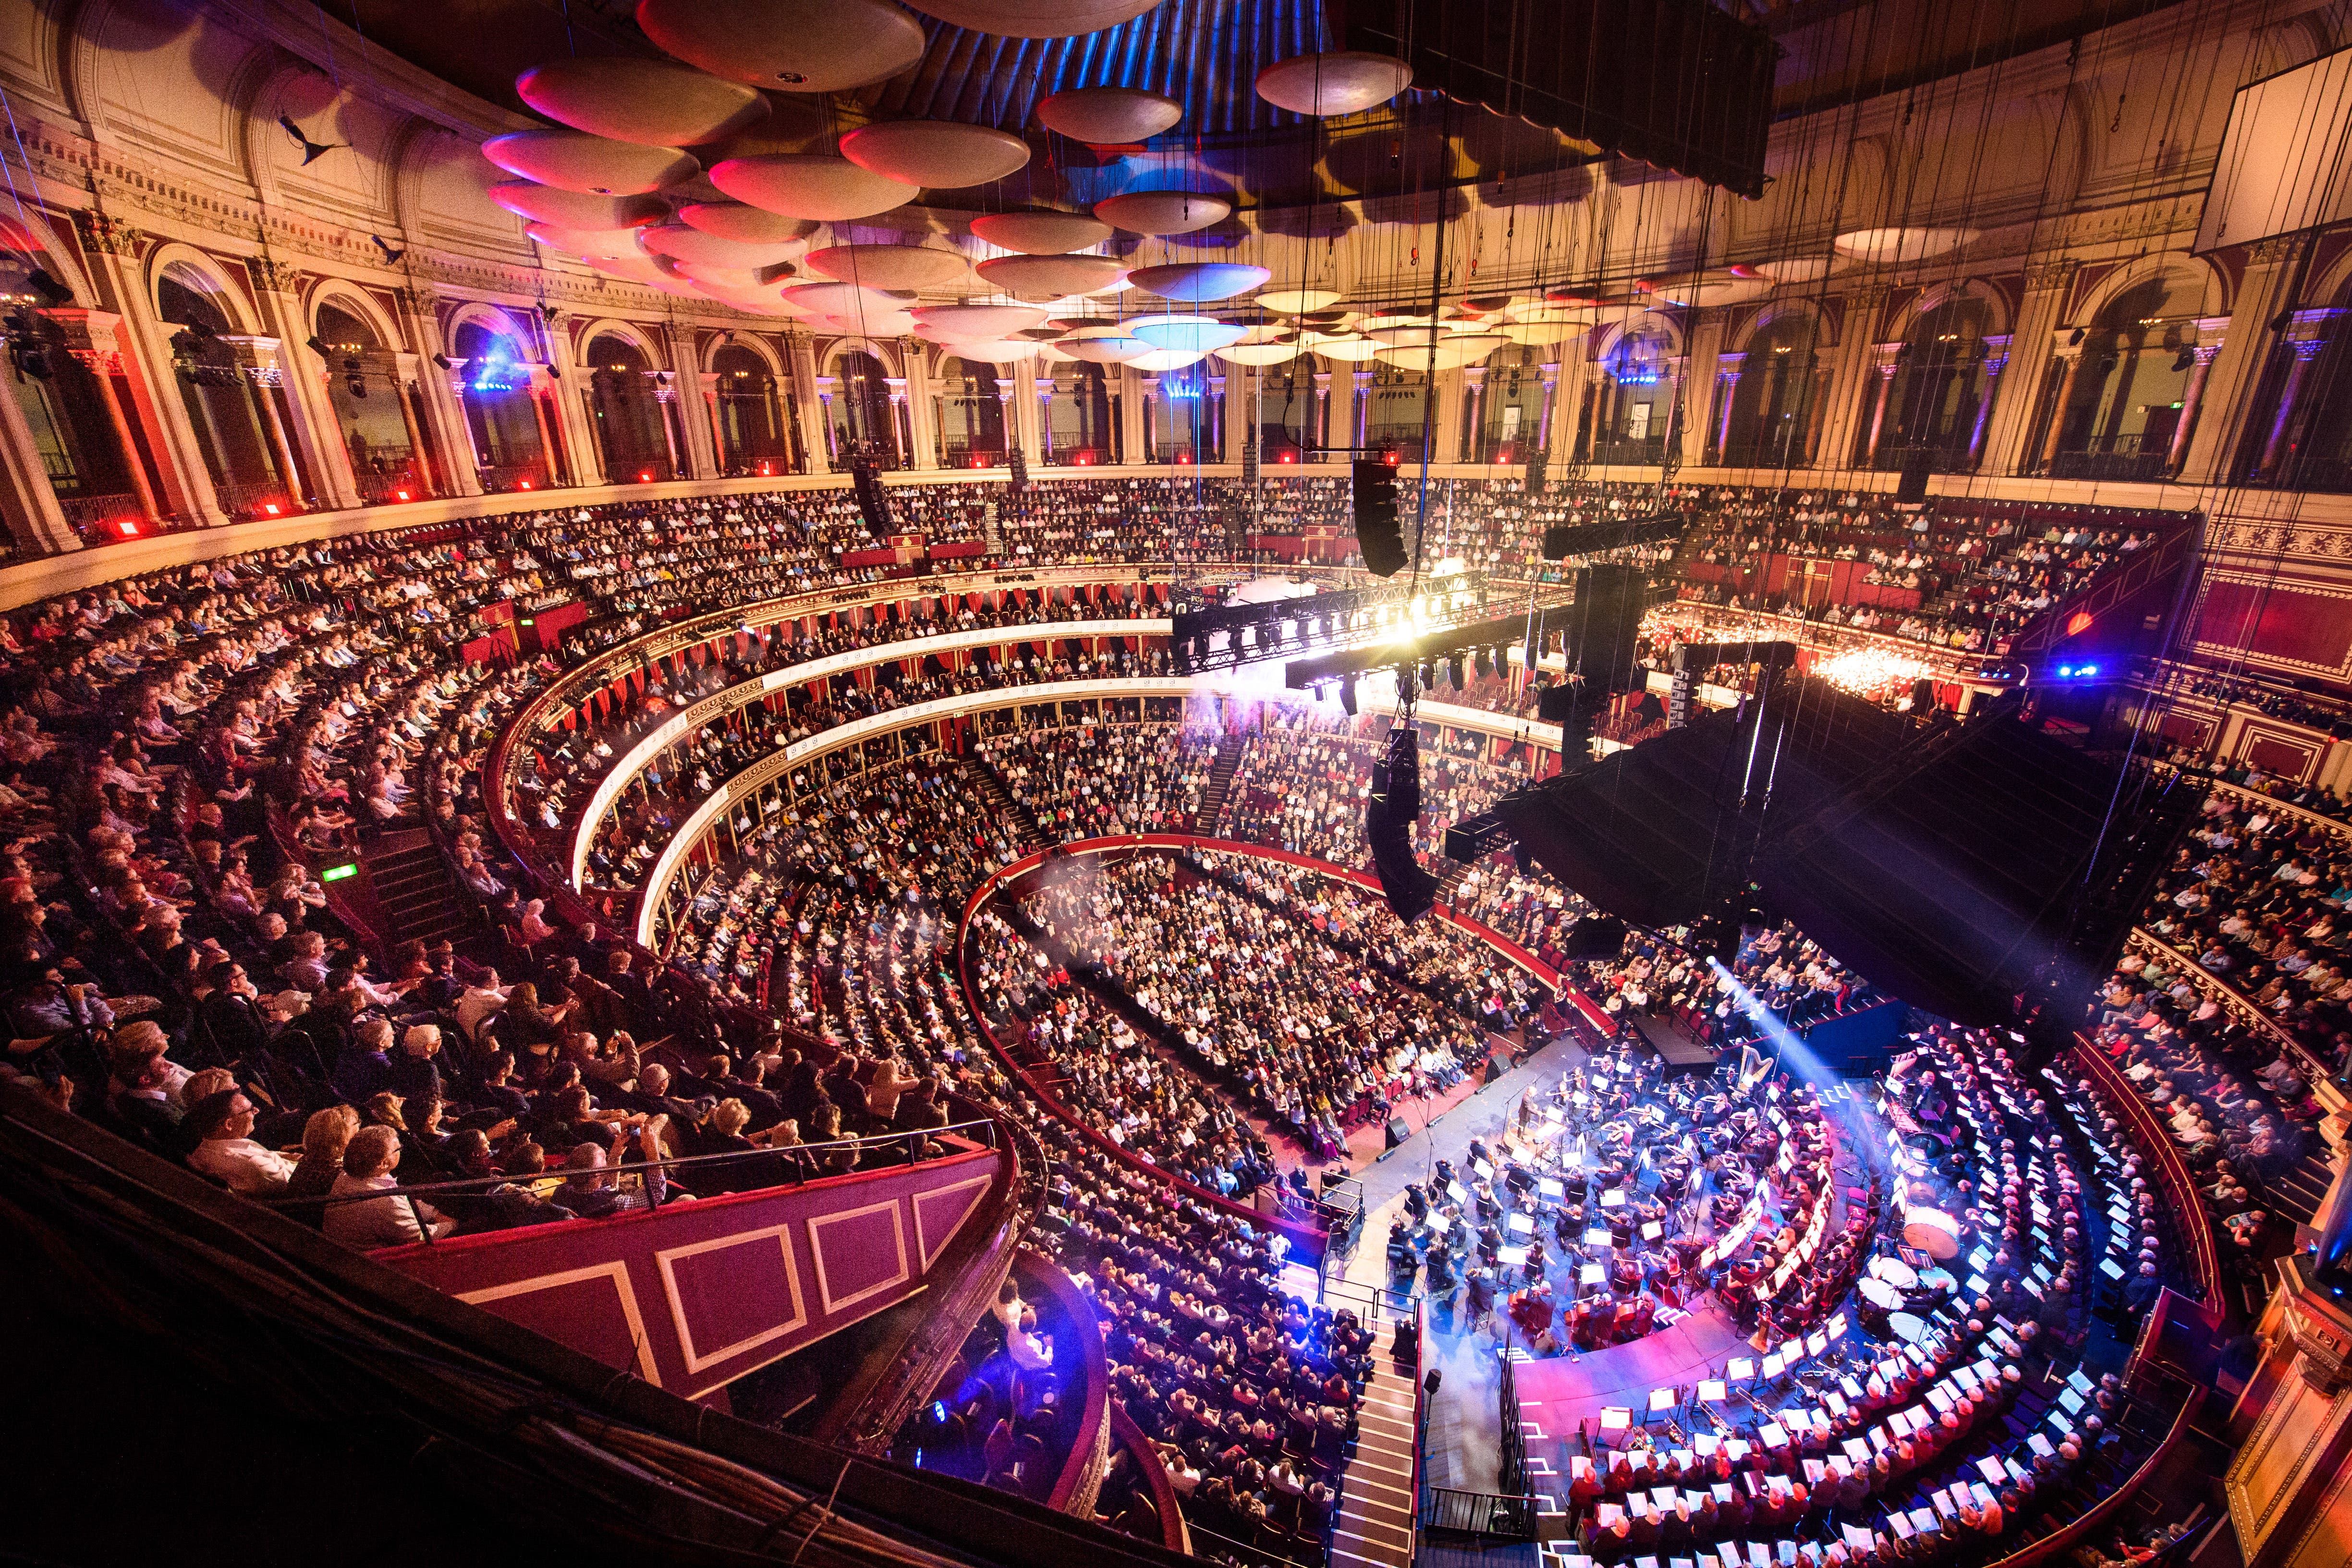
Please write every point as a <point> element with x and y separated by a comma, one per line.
<point>103,232</point>
<point>1474,376</point>
<point>2055,272</point>
<point>1322,383</point>
<point>269,275</point>
<point>89,336</point>
<point>897,385</point>
<point>2311,326</point>
<point>1729,366</point>
<point>1886,359</point>
<point>1363,379</point>
<point>2067,343</point>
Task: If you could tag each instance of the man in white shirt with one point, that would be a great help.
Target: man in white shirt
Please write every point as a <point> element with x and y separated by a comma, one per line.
<point>480,999</point>
<point>227,1153</point>
<point>360,1221</point>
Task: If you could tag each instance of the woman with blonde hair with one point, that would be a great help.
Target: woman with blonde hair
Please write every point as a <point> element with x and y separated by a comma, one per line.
<point>324,1137</point>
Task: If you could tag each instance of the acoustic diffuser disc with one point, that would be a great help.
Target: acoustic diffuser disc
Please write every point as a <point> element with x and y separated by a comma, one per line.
<point>792,45</point>
<point>597,165</point>
<point>657,102</point>
<point>809,186</point>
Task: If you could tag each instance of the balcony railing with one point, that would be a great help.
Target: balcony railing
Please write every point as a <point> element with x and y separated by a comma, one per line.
<point>394,488</point>
<point>1645,454</point>
<point>1939,459</point>
<point>1764,454</point>
<point>2119,459</point>
<point>246,498</point>
<point>105,520</point>
<point>497,478</point>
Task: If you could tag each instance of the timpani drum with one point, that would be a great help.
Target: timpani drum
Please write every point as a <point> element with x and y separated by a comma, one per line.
<point>1879,1300</point>
<point>1932,1231</point>
<point>1893,1271</point>
<point>1907,1327</point>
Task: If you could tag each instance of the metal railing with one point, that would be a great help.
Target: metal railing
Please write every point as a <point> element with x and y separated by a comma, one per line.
<point>498,477</point>
<point>804,1162</point>
<point>2118,458</point>
<point>1938,459</point>
<point>246,498</point>
<point>1492,1515</point>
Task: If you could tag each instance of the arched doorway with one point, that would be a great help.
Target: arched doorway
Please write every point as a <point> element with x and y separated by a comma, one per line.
<point>630,429</point>
<point>504,417</point>
<point>1288,432</point>
<point>77,417</point>
<point>1510,416</point>
<point>862,418</point>
<point>1393,416</point>
<point>970,420</point>
<point>372,411</point>
<point>1636,402</point>
<point>1183,422</point>
<point>1774,422</point>
<point>1079,423</point>
<point>751,415</point>
<point>1940,389</point>
<point>239,428</point>
<point>2123,396</point>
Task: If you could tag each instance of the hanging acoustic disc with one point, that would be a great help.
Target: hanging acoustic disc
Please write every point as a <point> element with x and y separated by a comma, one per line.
<point>809,186</point>
<point>1163,212</point>
<point>1297,301</point>
<point>573,160</point>
<point>735,220</point>
<point>1261,353</point>
<point>603,242</point>
<point>1195,334</point>
<point>1037,18</point>
<point>887,266</point>
<point>1195,281</point>
<point>1050,277</point>
<point>936,154</point>
<point>790,46</point>
<point>973,323</point>
<point>1041,232</point>
<point>576,210</point>
<point>1104,350</point>
<point>1327,86</point>
<point>1166,360</point>
<point>1109,116</point>
<point>683,243</point>
<point>657,102</point>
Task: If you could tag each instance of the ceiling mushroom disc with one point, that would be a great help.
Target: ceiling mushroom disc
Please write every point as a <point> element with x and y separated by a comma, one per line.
<point>691,245</point>
<point>1166,360</point>
<point>1037,18</point>
<point>1193,281</point>
<point>1163,212</point>
<point>1297,301</point>
<point>1041,232</point>
<point>733,220</point>
<point>584,242</point>
<point>575,211</point>
<point>573,161</point>
<point>1356,350</point>
<point>997,350</point>
<point>1050,277</point>
<point>1326,86</point>
<point>1104,350</point>
<point>1261,353</point>
<point>887,266</point>
<point>809,186</point>
<point>1109,116</point>
<point>1190,334</point>
<point>789,46</point>
<point>658,102</point>
<point>951,323</point>
<point>842,301</point>
<point>937,155</point>
<point>1900,245</point>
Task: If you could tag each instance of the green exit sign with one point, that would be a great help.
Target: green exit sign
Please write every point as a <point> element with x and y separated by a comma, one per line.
<point>337,873</point>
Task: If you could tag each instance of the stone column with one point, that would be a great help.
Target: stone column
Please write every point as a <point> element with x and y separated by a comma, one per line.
<point>91,337</point>
<point>1360,410</point>
<point>258,359</point>
<point>2013,405</point>
<point>921,413</point>
<point>1222,392</point>
<point>29,502</point>
<point>444,399</point>
<point>2306,337</point>
<point>902,434</point>
<point>316,433</point>
<point>816,439</point>
<point>421,457</point>
<point>567,395</point>
<point>2071,355</point>
<point>2263,293</point>
<point>707,383</point>
<point>1474,413</point>
<point>1323,415</point>
<point>1148,451</point>
<point>1727,388</point>
<point>1696,425</point>
<point>145,340</point>
<point>2212,331</point>
<point>694,426</point>
<point>2284,1485</point>
<point>1996,360</point>
<point>835,458</point>
<point>1045,416</point>
<point>1551,396</point>
<point>1885,360</point>
<point>1678,421</point>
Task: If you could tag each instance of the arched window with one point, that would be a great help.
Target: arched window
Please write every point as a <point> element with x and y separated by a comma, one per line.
<point>1776,403</point>
<point>1285,411</point>
<point>2123,397</point>
<point>1938,390</point>
<point>238,425</point>
<point>2299,435</point>
<point>971,416</point>
<point>753,414</point>
<point>1184,425</point>
<point>370,408</point>
<point>862,414</point>
<point>1511,407</point>
<point>1079,432</point>
<point>503,414</point>
<point>1637,399</point>
<point>627,414</point>
<point>1394,415</point>
<point>71,411</point>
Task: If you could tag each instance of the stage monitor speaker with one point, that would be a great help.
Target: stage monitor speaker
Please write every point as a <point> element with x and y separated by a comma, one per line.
<point>1604,626</point>
<point>873,500</point>
<point>1379,532</point>
<point>1389,815</point>
<point>1913,490</point>
<point>1494,1069</point>
<point>1398,1131</point>
<point>1594,937</point>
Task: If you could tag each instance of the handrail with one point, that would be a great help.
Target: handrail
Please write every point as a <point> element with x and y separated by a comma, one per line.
<point>2214,781</point>
<point>2239,1004</point>
<point>1174,1531</point>
<point>1081,1474</point>
<point>2068,1536</point>
<point>2171,1171</point>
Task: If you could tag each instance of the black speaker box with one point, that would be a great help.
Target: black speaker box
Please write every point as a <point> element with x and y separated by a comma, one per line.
<point>1398,1131</point>
<point>1913,490</point>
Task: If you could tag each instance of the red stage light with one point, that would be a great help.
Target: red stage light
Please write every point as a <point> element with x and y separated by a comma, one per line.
<point>271,507</point>
<point>399,495</point>
<point>128,531</point>
<point>525,484</point>
<point>645,477</point>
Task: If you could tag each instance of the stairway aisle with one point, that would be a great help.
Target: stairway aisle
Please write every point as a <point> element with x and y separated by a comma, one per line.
<point>2298,1193</point>
<point>1221,783</point>
<point>1376,1500</point>
<point>1000,798</point>
<point>413,888</point>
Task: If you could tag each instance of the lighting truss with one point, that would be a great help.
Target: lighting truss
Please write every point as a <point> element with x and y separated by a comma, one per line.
<point>1227,636</point>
